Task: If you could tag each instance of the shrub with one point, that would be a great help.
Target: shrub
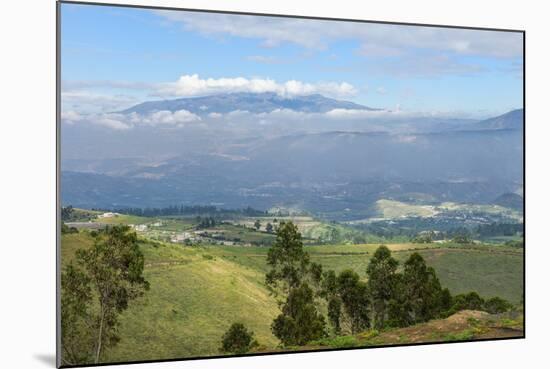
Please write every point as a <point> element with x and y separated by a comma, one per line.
<point>237,339</point>
<point>469,301</point>
<point>496,305</point>
<point>462,239</point>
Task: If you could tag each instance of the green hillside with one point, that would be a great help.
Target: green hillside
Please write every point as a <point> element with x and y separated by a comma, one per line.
<point>193,299</point>
<point>197,292</point>
<point>488,270</point>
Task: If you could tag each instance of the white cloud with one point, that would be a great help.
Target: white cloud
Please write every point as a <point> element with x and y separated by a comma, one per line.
<point>165,117</point>
<point>279,121</point>
<point>386,114</point>
<point>109,121</point>
<point>90,102</point>
<point>193,85</point>
<point>71,116</point>
<point>119,121</point>
<point>356,113</point>
<point>215,115</point>
<point>376,39</point>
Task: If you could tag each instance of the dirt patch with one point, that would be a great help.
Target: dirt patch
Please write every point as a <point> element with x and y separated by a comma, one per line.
<point>464,325</point>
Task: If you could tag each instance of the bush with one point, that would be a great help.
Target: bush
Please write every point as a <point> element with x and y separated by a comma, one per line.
<point>469,301</point>
<point>237,339</point>
<point>337,341</point>
<point>423,238</point>
<point>497,305</point>
<point>514,243</point>
<point>462,239</point>
<point>65,229</point>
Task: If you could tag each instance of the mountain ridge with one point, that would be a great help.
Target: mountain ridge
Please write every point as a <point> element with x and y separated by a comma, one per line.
<point>512,120</point>
<point>253,102</point>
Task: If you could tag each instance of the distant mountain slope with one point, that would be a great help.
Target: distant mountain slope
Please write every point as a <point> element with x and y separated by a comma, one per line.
<point>509,200</point>
<point>512,120</point>
<point>252,102</point>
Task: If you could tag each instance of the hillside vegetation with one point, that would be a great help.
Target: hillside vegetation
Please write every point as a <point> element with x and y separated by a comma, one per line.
<point>193,298</point>
<point>463,326</point>
<point>196,292</point>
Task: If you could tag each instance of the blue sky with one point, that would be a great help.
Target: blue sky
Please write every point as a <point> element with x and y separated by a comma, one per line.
<point>114,57</point>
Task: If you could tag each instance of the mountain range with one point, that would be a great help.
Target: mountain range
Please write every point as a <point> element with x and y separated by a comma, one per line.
<point>243,101</point>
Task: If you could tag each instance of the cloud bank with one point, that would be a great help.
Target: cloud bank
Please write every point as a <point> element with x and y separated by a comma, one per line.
<point>193,85</point>
<point>122,122</point>
<point>281,120</point>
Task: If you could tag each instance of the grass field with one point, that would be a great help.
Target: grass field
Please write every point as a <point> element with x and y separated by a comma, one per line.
<point>197,292</point>
<point>390,209</point>
<point>489,270</point>
<point>246,235</point>
<point>386,209</point>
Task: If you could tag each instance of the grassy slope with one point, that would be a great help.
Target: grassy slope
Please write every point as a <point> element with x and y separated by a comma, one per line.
<point>392,209</point>
<point>193,300</point>
<point>395,209</point>
<point>125,219</point>
<point>196,293</point>
<point>489,270</point>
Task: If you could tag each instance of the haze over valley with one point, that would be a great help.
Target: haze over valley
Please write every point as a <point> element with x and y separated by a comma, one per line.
<point>265,152</point>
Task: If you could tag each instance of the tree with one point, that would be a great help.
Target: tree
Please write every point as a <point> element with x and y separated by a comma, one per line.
<point>288,261</point>
<point>329,290</point>
<point>269,228</point>
<point>290,273</point>
<point>76,342</point>
<point>257,224</point>
<point>381,273</point>
<point>67,212</point>
<point>65,229</point>
<point>299,322</point>
<point>334,310</point>
<point>399,307</point>
<point>355,300</point>
<point>115,267</point>
<point>422,289</point>
<point>446,302</point>
<point>237,339</point>
<point>348,301</point>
